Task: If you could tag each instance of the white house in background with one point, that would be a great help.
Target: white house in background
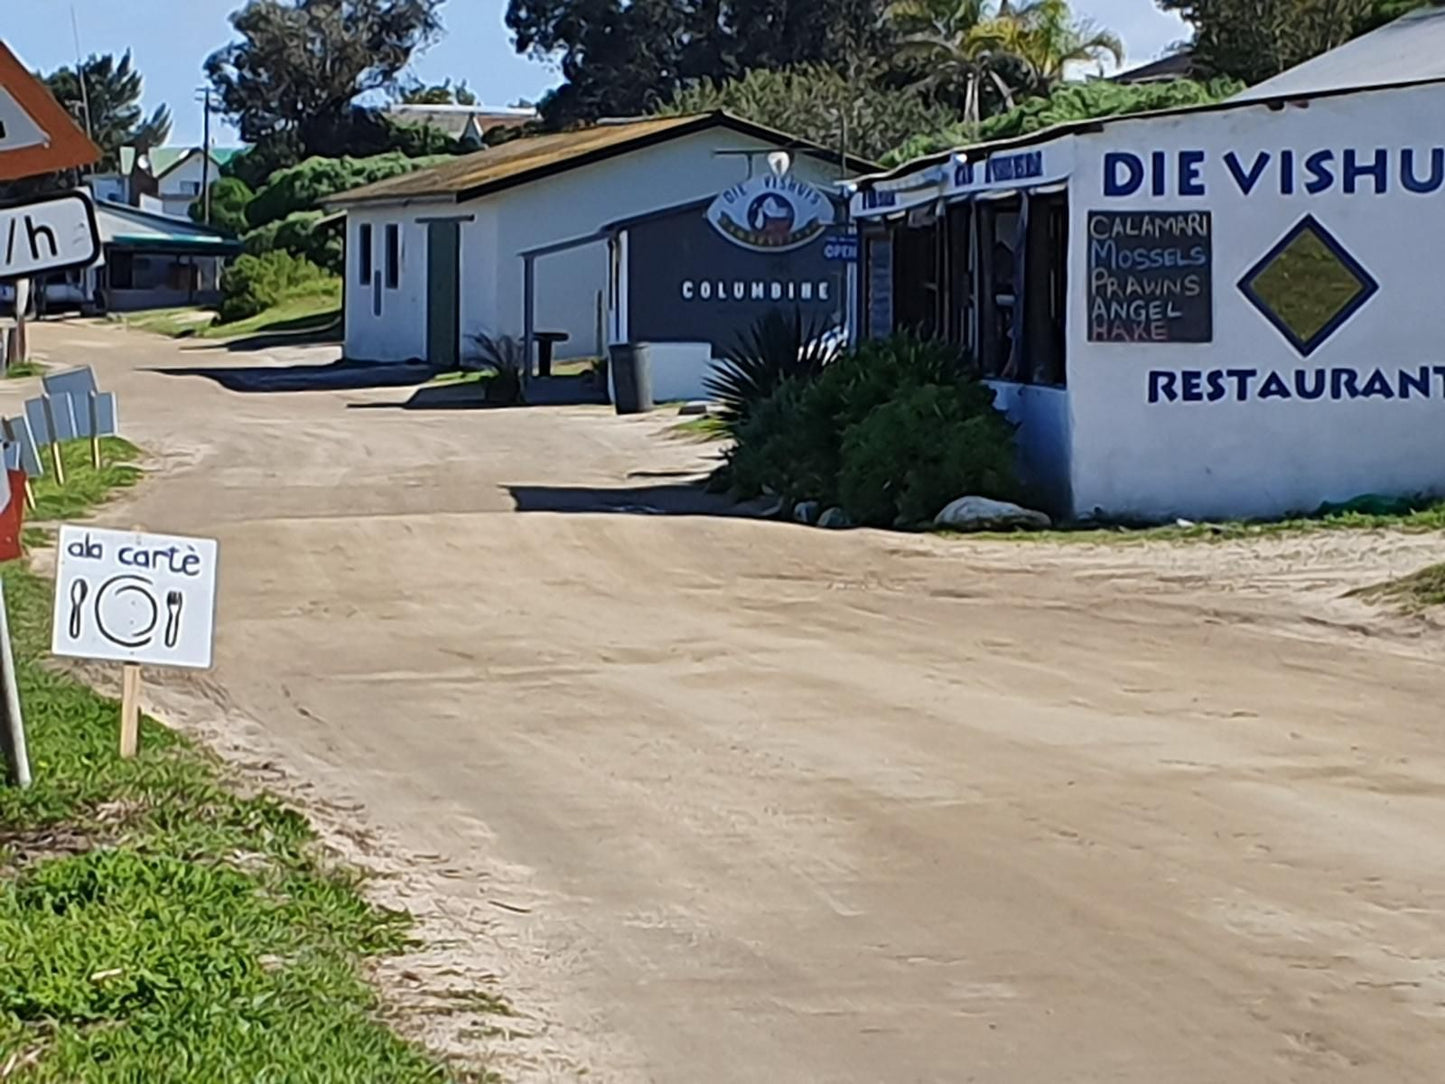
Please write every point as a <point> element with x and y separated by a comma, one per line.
<point>165,180</point>
<point>436,256</point>
<point>179,184</point>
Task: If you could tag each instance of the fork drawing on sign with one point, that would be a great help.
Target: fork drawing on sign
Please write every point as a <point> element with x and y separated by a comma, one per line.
<point>78,590</point>
<point>174,601</point>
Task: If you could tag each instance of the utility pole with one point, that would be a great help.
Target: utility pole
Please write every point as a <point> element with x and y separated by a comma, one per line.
<point>205,93</point>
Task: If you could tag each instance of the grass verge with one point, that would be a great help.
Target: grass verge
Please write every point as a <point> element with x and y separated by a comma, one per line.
<point>1411,517</point>
<point>157,926</point>
<point>1413,593</point>
<point>85,487</point>
<point>21,369</point>
<point>302,316</point>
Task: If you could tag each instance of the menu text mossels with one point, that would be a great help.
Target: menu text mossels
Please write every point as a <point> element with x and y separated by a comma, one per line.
<point>1150,276</point>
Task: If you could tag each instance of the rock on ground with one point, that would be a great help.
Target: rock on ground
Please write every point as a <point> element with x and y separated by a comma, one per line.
<point>983,514</point>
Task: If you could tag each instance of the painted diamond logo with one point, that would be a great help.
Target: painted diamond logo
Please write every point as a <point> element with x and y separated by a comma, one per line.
<point>1308,285</point>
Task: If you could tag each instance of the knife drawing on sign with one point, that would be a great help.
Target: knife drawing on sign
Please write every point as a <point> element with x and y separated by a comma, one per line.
<point>78,591</point>
<point>174,601</point>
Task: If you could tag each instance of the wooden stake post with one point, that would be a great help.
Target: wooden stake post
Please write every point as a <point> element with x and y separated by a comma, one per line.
<point>130,709</point>
<point>94,430</point>
<point>54,436</point>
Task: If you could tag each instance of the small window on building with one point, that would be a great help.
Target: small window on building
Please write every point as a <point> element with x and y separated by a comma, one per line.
<point>191,188</point>
<point>393,256</point>
<point>364,258</point>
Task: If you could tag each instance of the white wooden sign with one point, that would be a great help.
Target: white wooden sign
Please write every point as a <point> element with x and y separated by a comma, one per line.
<point>48,235</point>
<point>137,598</point>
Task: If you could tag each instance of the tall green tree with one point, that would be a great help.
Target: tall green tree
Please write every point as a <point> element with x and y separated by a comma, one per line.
<point>961,51</point>
<point>104,95</point>
<point>1049,38</point>
<point>443,93</point>
<point>1069,102</point>
<point>292,78</point>
<point>1254,40</point>
<point>859,113</point>
<point>629,57</point>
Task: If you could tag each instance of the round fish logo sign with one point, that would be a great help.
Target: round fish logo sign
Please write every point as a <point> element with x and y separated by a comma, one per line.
<point>771,213</point>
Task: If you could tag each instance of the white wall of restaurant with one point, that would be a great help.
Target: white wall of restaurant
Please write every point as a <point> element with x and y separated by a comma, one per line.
<point>1268,456</point>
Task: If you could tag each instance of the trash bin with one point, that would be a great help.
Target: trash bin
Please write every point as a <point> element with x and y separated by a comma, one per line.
<point>631,377</point>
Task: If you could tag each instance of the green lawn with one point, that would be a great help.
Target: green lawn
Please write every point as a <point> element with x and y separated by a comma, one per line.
<point>155,924</point>
<point>84,486</point>
<point>304,315</point>
<point>21,369</point>
<point>1413,593</point>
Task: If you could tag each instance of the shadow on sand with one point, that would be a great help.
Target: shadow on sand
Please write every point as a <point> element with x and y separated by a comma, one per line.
<point>337,376</point>
<point>471,395</point>
<point>672,499</point>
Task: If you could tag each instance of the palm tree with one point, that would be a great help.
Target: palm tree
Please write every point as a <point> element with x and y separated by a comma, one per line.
<point>964,49</point>
<point>1047,37</point>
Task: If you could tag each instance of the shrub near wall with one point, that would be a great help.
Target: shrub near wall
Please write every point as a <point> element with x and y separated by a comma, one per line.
<point>891,431</point>
<point>254,284</point>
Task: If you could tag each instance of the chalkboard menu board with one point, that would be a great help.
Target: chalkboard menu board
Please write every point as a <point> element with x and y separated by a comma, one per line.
<point>1150,277</point>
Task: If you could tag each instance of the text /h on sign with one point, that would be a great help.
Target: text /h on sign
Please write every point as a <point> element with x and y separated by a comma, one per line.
<point>138,598</point>
<point>48,235</point>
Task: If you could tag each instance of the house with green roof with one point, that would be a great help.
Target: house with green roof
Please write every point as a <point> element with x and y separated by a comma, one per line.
<point>165,180</point>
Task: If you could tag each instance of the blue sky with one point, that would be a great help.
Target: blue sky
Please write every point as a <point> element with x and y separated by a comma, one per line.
<point>170,40</point>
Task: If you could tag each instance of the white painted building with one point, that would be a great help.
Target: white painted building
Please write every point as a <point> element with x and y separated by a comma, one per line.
<point>436,256</point>
<point>181,183</point>
<point>1231,310</point>
<point>161,180</point>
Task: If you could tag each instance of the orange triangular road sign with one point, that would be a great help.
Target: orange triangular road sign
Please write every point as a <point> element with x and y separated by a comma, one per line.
<point>37,135</point>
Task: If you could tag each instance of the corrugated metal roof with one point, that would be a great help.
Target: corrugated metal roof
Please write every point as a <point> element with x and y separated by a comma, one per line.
<point>518,159</point>
<point>537,156</point>
<point>126,225</point>
<point>1409,50</point>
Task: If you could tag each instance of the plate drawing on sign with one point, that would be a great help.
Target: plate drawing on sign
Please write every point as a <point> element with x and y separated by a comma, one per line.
<point>126,611</point>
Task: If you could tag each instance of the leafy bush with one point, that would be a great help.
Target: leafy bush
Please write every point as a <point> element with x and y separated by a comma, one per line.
<point>1070,102</point>
<point>787,446</point>
<point>820,103</point>
<point>303,187</point>
<point>299,234</point>
<point>229,198</point>
<point>255,283</point>
<point>776,348</point>
<point>883,430</point>
<point>910,457</point>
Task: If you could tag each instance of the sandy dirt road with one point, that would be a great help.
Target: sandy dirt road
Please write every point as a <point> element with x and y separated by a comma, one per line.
<point>748,802</point>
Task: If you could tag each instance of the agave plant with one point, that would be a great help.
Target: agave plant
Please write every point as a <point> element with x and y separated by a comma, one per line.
<point>505,358</point>
<point>778,347</point>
